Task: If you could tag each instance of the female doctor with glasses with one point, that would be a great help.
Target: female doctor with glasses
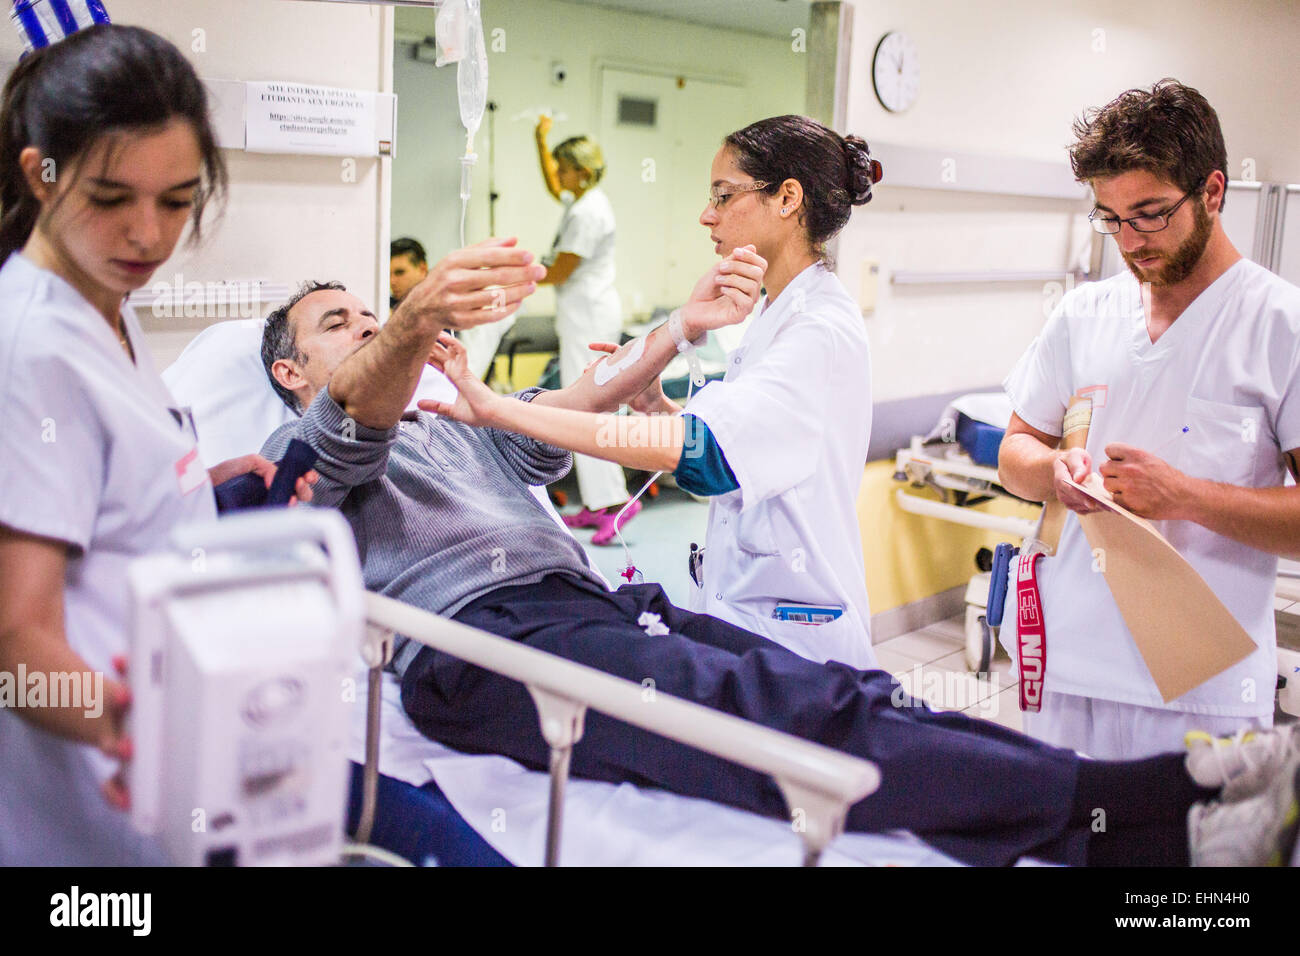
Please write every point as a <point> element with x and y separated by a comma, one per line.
<point>780,443</point>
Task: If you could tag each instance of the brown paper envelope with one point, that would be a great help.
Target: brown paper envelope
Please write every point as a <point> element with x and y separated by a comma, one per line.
<point>1184,632</point>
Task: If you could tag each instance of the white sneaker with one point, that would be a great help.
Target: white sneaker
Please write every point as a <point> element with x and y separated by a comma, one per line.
<point>1258,830</point>
<point>1241,764</point>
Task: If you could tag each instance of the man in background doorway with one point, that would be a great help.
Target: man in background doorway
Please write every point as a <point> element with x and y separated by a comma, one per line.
<point>407,266</point>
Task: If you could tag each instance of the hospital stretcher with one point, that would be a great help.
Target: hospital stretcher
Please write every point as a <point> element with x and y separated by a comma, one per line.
<point>189,621</point>
<point>220,377</point>
<point>962,479</point>
<point>191,618</point>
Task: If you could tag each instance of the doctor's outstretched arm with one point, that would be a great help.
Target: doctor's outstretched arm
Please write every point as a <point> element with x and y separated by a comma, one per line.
<point>725,295</point>
<point>648,442</point>
<point>657,442</point>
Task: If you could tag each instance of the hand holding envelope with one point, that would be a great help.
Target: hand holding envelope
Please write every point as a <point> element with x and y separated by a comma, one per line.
<point>1184,632</point>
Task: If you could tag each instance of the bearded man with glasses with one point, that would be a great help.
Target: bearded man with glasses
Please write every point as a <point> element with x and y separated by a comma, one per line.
<point>1192,363</point>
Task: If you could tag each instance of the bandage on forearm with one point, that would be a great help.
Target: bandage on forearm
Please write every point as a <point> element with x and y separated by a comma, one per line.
<point>1078,418</point>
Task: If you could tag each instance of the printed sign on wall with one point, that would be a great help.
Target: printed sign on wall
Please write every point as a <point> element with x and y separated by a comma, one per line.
<point>297,118</point>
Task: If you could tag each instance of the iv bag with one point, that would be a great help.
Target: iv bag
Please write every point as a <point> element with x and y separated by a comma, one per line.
<point>451,30</point>
<point>472,73</point>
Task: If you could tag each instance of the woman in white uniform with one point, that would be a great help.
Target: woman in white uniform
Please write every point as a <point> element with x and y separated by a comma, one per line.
<point>587,308</point>
<point>781,441</point>
<point>106,155</point>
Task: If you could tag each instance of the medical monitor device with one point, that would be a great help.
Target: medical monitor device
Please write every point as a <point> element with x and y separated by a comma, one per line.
<point>244,643</point>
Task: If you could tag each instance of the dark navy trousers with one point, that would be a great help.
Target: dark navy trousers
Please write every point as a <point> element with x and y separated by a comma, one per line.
<point>982,793</point>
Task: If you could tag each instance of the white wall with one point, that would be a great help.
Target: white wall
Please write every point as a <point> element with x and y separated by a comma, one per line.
<point>1008,78</point>
<point>288,218</point>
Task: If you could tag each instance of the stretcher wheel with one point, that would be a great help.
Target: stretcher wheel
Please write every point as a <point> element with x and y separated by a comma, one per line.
<point>979,641</point>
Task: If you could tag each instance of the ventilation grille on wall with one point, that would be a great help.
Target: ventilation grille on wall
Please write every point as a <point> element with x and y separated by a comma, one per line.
<point>633,111</point>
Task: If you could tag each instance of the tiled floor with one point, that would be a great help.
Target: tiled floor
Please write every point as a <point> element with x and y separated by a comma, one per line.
<point>931,665</point>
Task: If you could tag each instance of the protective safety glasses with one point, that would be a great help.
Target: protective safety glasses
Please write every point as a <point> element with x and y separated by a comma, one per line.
<point>718,195</point>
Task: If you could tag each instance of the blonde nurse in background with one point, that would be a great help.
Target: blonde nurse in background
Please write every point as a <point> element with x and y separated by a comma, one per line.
<point>587,307</point>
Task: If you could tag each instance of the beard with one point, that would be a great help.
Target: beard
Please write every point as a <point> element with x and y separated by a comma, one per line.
<point>1178,265</point>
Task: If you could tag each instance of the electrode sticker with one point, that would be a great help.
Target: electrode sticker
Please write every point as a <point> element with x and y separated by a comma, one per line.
<point>608,369</point>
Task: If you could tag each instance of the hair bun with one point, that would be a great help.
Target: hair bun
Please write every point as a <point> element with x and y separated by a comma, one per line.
<point>864,172</point>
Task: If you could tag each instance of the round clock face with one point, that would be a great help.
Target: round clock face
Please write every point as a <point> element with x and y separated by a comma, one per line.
<point>896,72</point>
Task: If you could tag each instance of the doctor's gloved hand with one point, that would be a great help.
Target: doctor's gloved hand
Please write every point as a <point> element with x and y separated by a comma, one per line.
<point>474,403</point>
<point>726,294</point>
<point>1073,464</point>
<point>113,741</point>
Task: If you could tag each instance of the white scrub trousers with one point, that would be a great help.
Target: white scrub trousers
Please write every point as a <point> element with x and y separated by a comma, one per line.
<point>600,483</point>
<point>1109,730</point>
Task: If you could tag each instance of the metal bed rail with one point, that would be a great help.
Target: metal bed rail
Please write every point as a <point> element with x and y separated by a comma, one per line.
<point>819,784</point>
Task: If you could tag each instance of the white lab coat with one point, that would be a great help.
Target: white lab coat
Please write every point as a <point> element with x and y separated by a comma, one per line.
<point>793,418</point>
<point>587,309</point>
<point>91,456</point>
<point>1218,397</point>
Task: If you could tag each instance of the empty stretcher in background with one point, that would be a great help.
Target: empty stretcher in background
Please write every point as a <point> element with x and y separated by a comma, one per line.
<point>958,461</point>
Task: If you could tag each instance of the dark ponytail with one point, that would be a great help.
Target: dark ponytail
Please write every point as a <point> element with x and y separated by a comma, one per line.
<point>18,207</point>
<point>864,172</point>
<point>836,172</point>
<point>103,80</point>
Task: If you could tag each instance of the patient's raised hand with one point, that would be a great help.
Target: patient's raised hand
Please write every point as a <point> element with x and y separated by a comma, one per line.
<point>474,403</point>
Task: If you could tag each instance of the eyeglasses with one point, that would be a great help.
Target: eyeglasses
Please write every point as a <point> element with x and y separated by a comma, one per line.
<point>1109,225</point>
<point>718,196</point>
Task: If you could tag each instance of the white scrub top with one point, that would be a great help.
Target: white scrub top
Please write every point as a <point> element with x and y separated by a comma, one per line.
<point>91,456</point>
<point>587,303</point>
<point>1218,397</point>
<point>793,418</point>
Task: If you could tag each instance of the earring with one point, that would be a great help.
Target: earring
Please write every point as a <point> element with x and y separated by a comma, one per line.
<point>785,211</point>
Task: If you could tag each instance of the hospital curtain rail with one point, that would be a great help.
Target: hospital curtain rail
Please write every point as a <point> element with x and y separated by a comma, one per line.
<point>822,782</point>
